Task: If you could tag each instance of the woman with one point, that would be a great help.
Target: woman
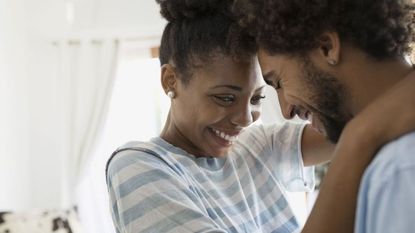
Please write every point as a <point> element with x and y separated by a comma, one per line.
<point>207,171</point>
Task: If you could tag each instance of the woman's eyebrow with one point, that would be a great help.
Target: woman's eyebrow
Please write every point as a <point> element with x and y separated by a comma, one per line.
<point>233,87</point>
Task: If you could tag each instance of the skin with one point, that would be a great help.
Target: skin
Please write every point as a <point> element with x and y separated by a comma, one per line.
<point>374,91</point>
<point>222,96</point>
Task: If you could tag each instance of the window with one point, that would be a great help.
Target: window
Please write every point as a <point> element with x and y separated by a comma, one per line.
<point>137,112</point>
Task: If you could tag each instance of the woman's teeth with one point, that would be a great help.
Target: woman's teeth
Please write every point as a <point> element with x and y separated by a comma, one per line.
<point>225,136</point>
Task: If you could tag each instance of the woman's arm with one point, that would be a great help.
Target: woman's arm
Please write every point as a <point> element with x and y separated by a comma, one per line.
<point>391,115</point>
<point>335,206</point>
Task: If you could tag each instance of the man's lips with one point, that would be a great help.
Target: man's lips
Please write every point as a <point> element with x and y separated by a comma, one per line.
<point>304,115</point>
<point>308,116</point>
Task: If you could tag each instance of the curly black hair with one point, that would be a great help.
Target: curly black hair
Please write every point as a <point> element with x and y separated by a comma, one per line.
<point>381,28</point>
<point>199,30</point>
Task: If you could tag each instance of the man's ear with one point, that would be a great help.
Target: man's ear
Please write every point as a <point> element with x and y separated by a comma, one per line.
<point>330,47</point>
<point>168,78</point>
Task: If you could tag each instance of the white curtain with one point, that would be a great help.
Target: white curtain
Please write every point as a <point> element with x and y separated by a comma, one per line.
<point>137,111</point>
<point>86,74</point>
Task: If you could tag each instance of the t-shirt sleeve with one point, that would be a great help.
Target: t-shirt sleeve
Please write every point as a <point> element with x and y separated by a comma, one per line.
<point>282,154</point>
<point>389,206</point>
<point>386,201</point>
<point>146,195</point>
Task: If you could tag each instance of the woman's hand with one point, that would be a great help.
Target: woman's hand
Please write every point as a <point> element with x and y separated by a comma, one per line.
<point>389,116</point>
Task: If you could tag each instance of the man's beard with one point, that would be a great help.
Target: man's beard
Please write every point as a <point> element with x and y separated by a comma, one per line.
<point>328,96</point>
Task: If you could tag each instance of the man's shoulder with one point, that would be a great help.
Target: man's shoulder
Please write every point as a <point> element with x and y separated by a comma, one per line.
<point>394,156</point>
<point>399,150</point>
<point>405,142</point>
<point>386,192</point>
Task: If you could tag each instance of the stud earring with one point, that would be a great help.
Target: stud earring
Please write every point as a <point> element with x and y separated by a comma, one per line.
<point>171,94</point>
<point>332,62</point>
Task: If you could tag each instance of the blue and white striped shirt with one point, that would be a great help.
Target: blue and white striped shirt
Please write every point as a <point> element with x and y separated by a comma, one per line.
<point>164,189</point>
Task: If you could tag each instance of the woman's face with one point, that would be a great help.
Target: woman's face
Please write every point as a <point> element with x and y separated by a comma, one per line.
<point>212,109</point>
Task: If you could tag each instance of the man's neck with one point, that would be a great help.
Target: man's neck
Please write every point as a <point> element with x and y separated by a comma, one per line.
<point>374,79</point>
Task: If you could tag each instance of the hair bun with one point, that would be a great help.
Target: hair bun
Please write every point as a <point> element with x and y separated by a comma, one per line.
<point>177,10</point>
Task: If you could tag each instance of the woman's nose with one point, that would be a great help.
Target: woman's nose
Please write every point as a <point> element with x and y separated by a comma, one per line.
<point>246,116</point>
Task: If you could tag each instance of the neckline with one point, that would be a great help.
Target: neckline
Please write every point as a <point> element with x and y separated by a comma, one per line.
<point>208,163</point>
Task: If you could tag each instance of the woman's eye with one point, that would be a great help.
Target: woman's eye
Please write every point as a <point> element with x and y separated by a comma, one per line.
<point>224,100</point>
<point>257,99</point>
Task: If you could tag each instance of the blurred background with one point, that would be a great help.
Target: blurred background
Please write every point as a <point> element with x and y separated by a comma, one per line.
<point>78,78</point>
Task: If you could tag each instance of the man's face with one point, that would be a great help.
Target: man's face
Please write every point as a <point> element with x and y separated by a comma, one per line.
<point>307,91</point>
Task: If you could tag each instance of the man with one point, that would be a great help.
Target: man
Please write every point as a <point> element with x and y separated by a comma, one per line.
<point>328,60</point>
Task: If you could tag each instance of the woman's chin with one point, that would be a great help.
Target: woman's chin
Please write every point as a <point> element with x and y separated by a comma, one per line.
<point>220,153</point>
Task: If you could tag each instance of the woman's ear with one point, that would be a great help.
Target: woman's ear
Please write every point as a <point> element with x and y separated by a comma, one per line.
<point>168,78</point>
<point>330,47</point>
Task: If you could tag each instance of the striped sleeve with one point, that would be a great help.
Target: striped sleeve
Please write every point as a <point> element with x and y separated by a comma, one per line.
<point>146,195</point>
<point>286,148</point>
<point>281,153</point>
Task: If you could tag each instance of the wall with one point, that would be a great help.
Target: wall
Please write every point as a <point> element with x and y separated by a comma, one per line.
<point>13,106</point>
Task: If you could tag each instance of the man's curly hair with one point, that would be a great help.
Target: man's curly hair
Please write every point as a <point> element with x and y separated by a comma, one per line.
<point>381,28</point>
<point>199,30</point>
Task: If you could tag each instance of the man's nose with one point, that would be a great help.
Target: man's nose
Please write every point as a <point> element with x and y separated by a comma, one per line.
<point>287,109</point>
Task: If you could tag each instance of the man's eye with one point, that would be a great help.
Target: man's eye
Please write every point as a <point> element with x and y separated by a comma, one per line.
<point>278,85</point>
<point>268,82</point>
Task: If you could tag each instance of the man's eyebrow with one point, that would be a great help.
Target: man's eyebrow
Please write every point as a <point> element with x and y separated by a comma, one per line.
<point>269,75</point>
<point>236,88</point>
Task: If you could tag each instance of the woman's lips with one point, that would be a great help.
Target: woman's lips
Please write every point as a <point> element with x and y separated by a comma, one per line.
<point>225,138</point>
<point>228,136</point>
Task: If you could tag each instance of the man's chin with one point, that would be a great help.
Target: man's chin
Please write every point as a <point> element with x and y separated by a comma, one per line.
<point>333,129</point>
<point>333,138</point>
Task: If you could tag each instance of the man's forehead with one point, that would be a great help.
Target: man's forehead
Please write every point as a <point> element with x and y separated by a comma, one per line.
<point>268,63</point>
